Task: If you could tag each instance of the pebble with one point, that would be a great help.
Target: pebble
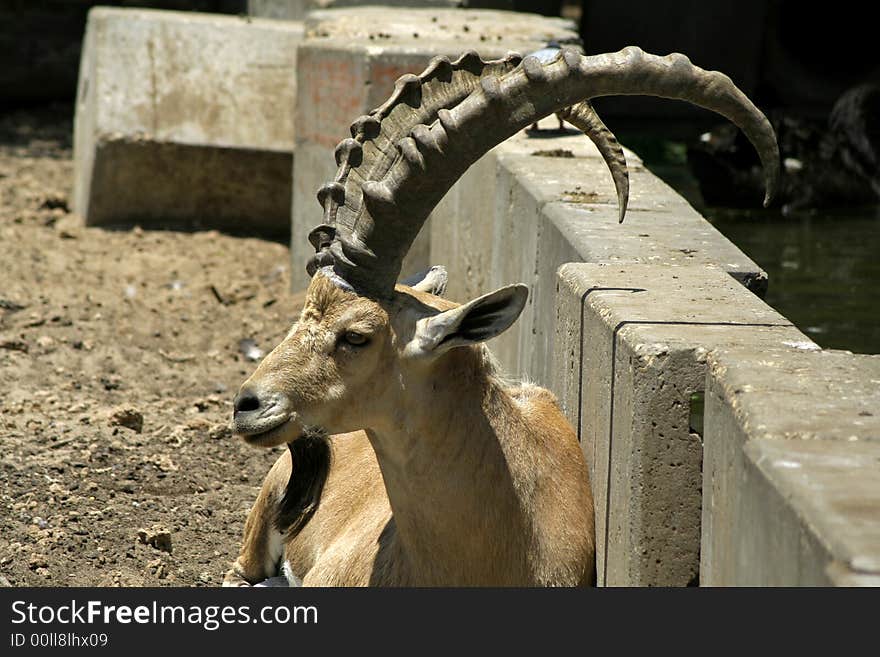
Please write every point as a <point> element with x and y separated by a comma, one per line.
<point>157,538</point>
<point>127,417</point>
<point>38,560</point>
<point>46,342</point>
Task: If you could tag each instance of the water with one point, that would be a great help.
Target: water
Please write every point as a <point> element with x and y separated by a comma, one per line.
<point>824,266</point>
<point>824,269</point>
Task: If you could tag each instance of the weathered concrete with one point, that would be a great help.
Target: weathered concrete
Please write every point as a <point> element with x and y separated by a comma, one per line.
<point>630,354</point>
<point>347,66</point>
<point>538,201</point>
<point>791,475</point>
<point>186,118</point>
<point>297,9</point>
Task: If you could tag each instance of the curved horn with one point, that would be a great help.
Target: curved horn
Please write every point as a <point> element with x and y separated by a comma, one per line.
<point>405,156</point>
<point>583,117</point>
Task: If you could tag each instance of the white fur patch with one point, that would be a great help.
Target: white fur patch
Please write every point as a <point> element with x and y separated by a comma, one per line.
<point>292,580</point>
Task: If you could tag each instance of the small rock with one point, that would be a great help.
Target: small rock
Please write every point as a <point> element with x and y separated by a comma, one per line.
<point>37,560</point>
<point>156,538</point>
<point>4,583</point>
<point>11,306</point>
<point>46,342</point>
<point>157,568</point>
<point>220,431</point>
<point>59,491</point>
<point>127,417</point>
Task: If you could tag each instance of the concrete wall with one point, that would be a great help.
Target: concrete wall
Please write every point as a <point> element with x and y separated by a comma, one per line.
<point>297,9</point>
<point>640,334</point>
<point>540,200</point>
<point>186,118</point>
<point>791,468</point>
<point>625,341</point>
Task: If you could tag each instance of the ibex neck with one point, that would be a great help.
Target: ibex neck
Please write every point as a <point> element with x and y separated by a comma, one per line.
<point>449,463</point>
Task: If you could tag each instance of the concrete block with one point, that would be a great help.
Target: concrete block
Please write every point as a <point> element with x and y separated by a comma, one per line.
<point>791,481</point>
<point>186,118</point>
<point>297,9</point>
<point>347,67</point>
<point>463,225</point>
<point>515,239</point>
<point>550,200</point>
<point>630,349</point>
<point>489,232</point>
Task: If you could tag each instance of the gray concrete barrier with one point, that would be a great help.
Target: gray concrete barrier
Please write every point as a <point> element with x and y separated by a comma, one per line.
<point>540,200</point>
<point>186,118</point>
<point>624,344</point>
<point>298,9</point>
<point>631,346</point>
<point>791,469</point>
<point>347,66</point>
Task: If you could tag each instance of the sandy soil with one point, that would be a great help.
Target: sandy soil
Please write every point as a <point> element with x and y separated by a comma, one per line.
<point>102,331</point>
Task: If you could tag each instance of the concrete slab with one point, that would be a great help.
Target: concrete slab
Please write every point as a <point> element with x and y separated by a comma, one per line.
<point>297,9</point>
<point>663,235</point>
<point>791,476</point>
<point>552,210</point>
<point>347,67</point>
<point>630,349</point>
<point>549,199</point>
<point>463,225</point>
<point>186,118</point>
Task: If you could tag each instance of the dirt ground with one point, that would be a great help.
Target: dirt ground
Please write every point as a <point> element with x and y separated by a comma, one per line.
<point>102,331</point>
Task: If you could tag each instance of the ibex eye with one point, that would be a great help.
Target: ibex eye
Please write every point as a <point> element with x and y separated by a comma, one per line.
<point>354,338</point>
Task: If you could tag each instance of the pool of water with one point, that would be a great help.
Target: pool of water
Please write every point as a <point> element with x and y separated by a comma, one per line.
<point>824,265</point>
<point>824,269</point>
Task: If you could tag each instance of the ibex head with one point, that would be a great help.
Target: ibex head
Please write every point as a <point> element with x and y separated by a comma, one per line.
<point>360,333</point>
<point>342,366</point>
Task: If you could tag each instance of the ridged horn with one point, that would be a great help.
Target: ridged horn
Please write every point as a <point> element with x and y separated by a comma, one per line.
<point>583,117</point>
<point>428,137</point>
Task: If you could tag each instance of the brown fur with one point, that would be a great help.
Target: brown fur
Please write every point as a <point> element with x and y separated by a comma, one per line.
<point>458,480</point>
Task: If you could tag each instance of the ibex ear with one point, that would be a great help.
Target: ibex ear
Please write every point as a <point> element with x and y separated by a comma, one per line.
<point>432,280</point>
<point>476,321</point>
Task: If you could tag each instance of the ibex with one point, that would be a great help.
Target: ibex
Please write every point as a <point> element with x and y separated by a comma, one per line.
<point>436,470</point>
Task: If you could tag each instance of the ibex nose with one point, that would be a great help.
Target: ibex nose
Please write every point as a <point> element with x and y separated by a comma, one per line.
<point>245,401</point>
<point>257,412</point>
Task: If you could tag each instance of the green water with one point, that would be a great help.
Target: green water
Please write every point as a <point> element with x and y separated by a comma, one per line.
<point>824,269</point>
<point>824,266</point>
